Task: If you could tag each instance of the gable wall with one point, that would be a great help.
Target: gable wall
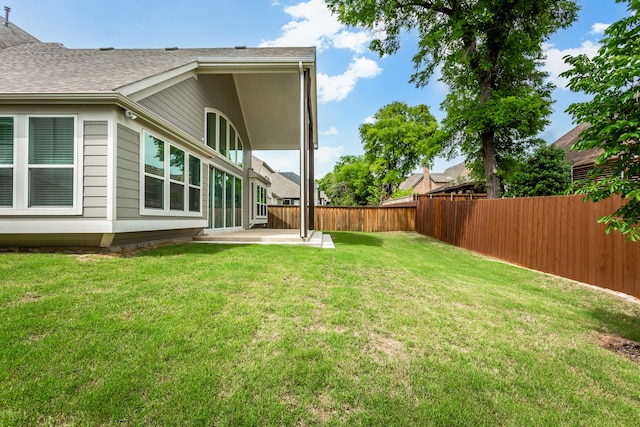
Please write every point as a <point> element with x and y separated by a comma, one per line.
<point>184,106</point>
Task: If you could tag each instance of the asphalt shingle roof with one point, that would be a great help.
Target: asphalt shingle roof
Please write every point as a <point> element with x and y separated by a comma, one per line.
<point>12,35</point>
<point>34,67</point>
<point>577,158</point>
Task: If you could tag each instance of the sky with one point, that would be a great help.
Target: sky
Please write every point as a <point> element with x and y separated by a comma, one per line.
<point>353,83</point>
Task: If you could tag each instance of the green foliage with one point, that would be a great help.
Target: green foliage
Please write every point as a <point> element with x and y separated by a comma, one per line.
<point>350,184</point>
<point>489,51</point>
<point>400,139</point>
<point>613,78</point>
<point>544,173</point>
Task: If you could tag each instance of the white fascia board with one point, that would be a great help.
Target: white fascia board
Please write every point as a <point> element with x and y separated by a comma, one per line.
<point>83,98</point>
<point>253,65</point>
<point>147,87</point>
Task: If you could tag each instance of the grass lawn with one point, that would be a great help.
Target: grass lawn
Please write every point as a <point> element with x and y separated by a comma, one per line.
<point>387,329</point>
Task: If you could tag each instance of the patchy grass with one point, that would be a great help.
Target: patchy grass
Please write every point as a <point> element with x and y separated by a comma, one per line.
<point>387,329</point>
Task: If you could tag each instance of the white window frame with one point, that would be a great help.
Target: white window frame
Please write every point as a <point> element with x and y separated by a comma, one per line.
<point>166,180</point>
<point>258,189</point>
<point>228,157</point>
<point>21,170</point>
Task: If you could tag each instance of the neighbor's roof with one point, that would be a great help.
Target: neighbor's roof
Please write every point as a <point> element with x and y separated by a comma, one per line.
<point>578,158</point>
<point>284,187</point>
<point>52,68</point>
<point>13,35</point>
<point>411,181</point>
<point>450,173</point>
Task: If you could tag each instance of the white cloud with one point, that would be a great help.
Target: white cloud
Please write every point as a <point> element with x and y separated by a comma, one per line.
<point>336,88</point>
<point>599,28</point>
<point>555,64</point>
<point>325,159</point>
<point>314,25</point>
<point>356,42</point>
<point>369,120</point>
<point>331,131</point>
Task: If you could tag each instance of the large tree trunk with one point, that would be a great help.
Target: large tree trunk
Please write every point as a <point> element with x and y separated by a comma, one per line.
<point>490,162</point>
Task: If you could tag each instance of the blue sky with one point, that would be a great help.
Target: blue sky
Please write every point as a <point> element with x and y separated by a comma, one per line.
<point>353,83</point>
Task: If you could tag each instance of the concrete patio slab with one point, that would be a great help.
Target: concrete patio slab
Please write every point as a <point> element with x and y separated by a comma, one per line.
<point>264,236</point>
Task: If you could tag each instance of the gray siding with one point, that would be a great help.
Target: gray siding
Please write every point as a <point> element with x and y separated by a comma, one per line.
<point>184,104</point>
<point>94,200</point>
<point>128,174</point>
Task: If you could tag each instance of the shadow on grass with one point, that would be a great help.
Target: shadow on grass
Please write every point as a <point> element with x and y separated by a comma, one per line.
<point>618,323</point>
<point>355,239</point>
<point>172,249</point>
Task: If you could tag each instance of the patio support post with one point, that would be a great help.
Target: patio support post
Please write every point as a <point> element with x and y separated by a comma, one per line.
<point>309,133</point>
<point>303,156</point>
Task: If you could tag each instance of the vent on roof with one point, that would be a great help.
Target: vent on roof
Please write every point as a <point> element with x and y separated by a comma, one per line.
<point>106,48</point>
<point>170,48</point>
<point>241,47</point>
<point>7,9</point>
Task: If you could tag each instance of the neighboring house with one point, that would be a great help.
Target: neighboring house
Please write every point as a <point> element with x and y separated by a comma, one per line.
<point>284,188</point>
<point>427,181</point>
<point>581,161</point>
<point>114,147</point>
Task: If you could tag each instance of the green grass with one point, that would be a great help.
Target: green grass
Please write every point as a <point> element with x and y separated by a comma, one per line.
<point>387,329</point>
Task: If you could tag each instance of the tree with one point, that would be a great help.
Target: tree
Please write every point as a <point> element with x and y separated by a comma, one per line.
<point>489,51</point>
<point>544,173</point>
<point>400,139</point>
<point>350,183</point>
<point>613,78</point>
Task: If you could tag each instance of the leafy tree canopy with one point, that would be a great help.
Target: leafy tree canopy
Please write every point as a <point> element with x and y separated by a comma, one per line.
<point>489,52</point>
<point>400,139</point>
<point>613,78</point>
<point>350,183</point>
<point>546,172</point>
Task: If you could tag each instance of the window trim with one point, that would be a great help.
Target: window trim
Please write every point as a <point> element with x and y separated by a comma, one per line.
<point>167,180</point>
<point>228,157</point>
<point>258,189</point>
<point>21,169</point>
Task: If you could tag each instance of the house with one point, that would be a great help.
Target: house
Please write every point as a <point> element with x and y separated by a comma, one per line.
<point>116,147</point>
<point>581,161</point>
<point>426,182</point>
<point>284,188</point>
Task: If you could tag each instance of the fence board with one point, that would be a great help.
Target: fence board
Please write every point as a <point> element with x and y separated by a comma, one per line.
<point>558,235</point>
<point>339,218</point>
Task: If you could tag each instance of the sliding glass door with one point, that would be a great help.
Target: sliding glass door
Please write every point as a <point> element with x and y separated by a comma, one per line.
<point>225,200</point>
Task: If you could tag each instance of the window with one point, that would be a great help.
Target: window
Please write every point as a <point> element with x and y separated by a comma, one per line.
<point>195,174</point>
<point>172,178</point>
<point>51,161</point>
<point>39,173</point>
<point>223,137</point>
<point>261,201</point>
<point>7,136</point>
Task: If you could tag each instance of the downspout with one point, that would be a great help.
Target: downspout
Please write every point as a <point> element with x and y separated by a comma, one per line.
<point>303,159</point>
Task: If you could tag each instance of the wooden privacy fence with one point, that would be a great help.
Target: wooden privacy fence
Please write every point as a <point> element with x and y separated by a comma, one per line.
<point>337,218</point>
<point>558,235</point>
